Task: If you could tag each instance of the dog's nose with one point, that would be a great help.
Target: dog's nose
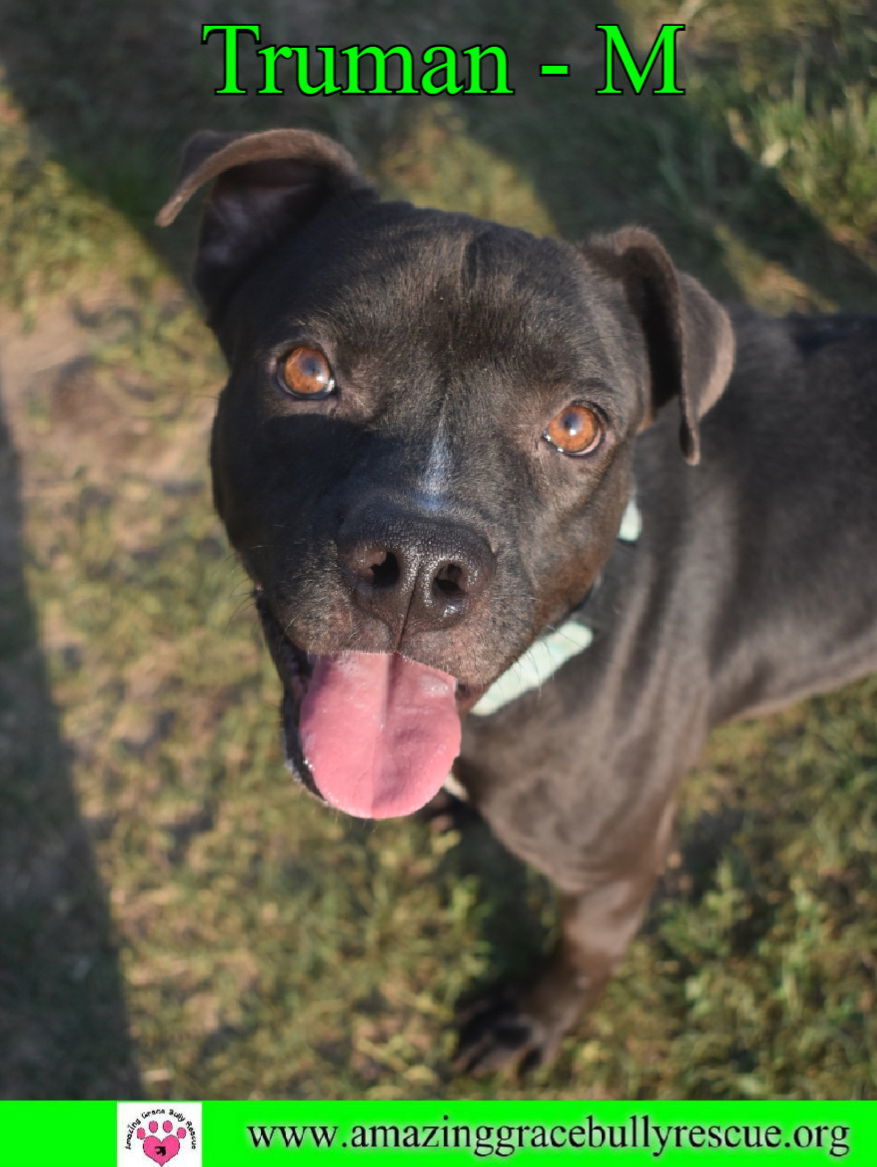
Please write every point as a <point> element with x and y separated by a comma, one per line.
<point>414,571</point>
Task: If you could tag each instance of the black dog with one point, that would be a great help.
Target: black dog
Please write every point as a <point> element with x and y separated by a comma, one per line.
<point>437,447</point>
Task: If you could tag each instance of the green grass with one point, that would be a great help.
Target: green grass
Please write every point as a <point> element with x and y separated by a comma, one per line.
<point>177,920</point>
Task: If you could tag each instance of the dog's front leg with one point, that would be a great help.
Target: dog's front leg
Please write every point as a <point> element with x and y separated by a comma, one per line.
<point>521,1029</point>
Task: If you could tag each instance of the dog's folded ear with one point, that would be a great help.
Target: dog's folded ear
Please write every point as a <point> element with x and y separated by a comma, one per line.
<point>688,335</point>
<point>265,185</point>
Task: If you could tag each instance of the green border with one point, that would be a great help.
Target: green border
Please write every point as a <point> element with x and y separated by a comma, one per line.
<point>84,1134</point>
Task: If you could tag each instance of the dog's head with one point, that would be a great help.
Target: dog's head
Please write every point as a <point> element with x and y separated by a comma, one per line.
<point>424,449</point>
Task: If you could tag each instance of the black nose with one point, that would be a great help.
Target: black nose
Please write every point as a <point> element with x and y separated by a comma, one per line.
<point>408,569</point>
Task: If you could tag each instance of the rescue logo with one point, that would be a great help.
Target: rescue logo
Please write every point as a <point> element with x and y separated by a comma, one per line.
<point>158,1132</point>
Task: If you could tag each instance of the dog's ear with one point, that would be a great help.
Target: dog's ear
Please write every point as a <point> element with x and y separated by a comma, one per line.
<point>688,335</point>
<point>264,186</point>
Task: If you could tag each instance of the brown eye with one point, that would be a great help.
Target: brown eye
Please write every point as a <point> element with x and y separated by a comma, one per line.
<point>307,373</point>
<point>575,430</point>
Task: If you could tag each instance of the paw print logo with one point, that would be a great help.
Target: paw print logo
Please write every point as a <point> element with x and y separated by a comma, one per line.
<point>161,1150</point>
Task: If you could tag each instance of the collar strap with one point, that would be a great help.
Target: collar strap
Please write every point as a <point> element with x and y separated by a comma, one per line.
<point>554,648</point>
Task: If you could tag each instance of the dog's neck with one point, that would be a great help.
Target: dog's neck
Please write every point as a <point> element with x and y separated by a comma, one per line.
<point>555,646</point>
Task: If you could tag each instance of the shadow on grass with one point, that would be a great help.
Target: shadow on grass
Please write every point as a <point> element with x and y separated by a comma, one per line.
<point>520,921</point>
<point>519,904</point>
<point>63,1024</point>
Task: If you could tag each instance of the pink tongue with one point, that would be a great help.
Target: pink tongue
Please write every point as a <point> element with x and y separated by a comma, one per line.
<point>379,732</point>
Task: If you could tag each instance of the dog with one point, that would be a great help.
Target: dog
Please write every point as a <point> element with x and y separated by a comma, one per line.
<point>537,513</point>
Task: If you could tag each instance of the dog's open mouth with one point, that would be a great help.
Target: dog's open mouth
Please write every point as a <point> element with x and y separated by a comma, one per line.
<point>373,734</point>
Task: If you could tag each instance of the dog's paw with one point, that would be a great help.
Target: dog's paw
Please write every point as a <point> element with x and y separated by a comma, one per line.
<point>499,1033</point>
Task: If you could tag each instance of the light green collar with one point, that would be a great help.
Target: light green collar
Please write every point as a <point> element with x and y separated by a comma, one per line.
<point>552,649</point>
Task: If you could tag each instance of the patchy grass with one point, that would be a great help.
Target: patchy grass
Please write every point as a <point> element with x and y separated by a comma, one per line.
<point>172,907</point>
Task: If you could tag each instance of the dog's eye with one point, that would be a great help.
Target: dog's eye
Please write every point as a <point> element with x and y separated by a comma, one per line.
<point>575,430</point>
<point>305,372</point>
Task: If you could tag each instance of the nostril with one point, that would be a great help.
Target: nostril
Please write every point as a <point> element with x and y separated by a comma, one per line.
<point>372,565</point>
<point>385,570</point>
<point>451,580</point>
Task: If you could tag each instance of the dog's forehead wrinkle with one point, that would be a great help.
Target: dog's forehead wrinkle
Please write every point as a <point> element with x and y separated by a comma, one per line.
<point>444,258</point>
<point>411,283</point>
<point>433,291</point>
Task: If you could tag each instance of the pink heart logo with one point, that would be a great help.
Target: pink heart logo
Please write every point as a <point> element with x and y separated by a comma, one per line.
<point>161,1150</point>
